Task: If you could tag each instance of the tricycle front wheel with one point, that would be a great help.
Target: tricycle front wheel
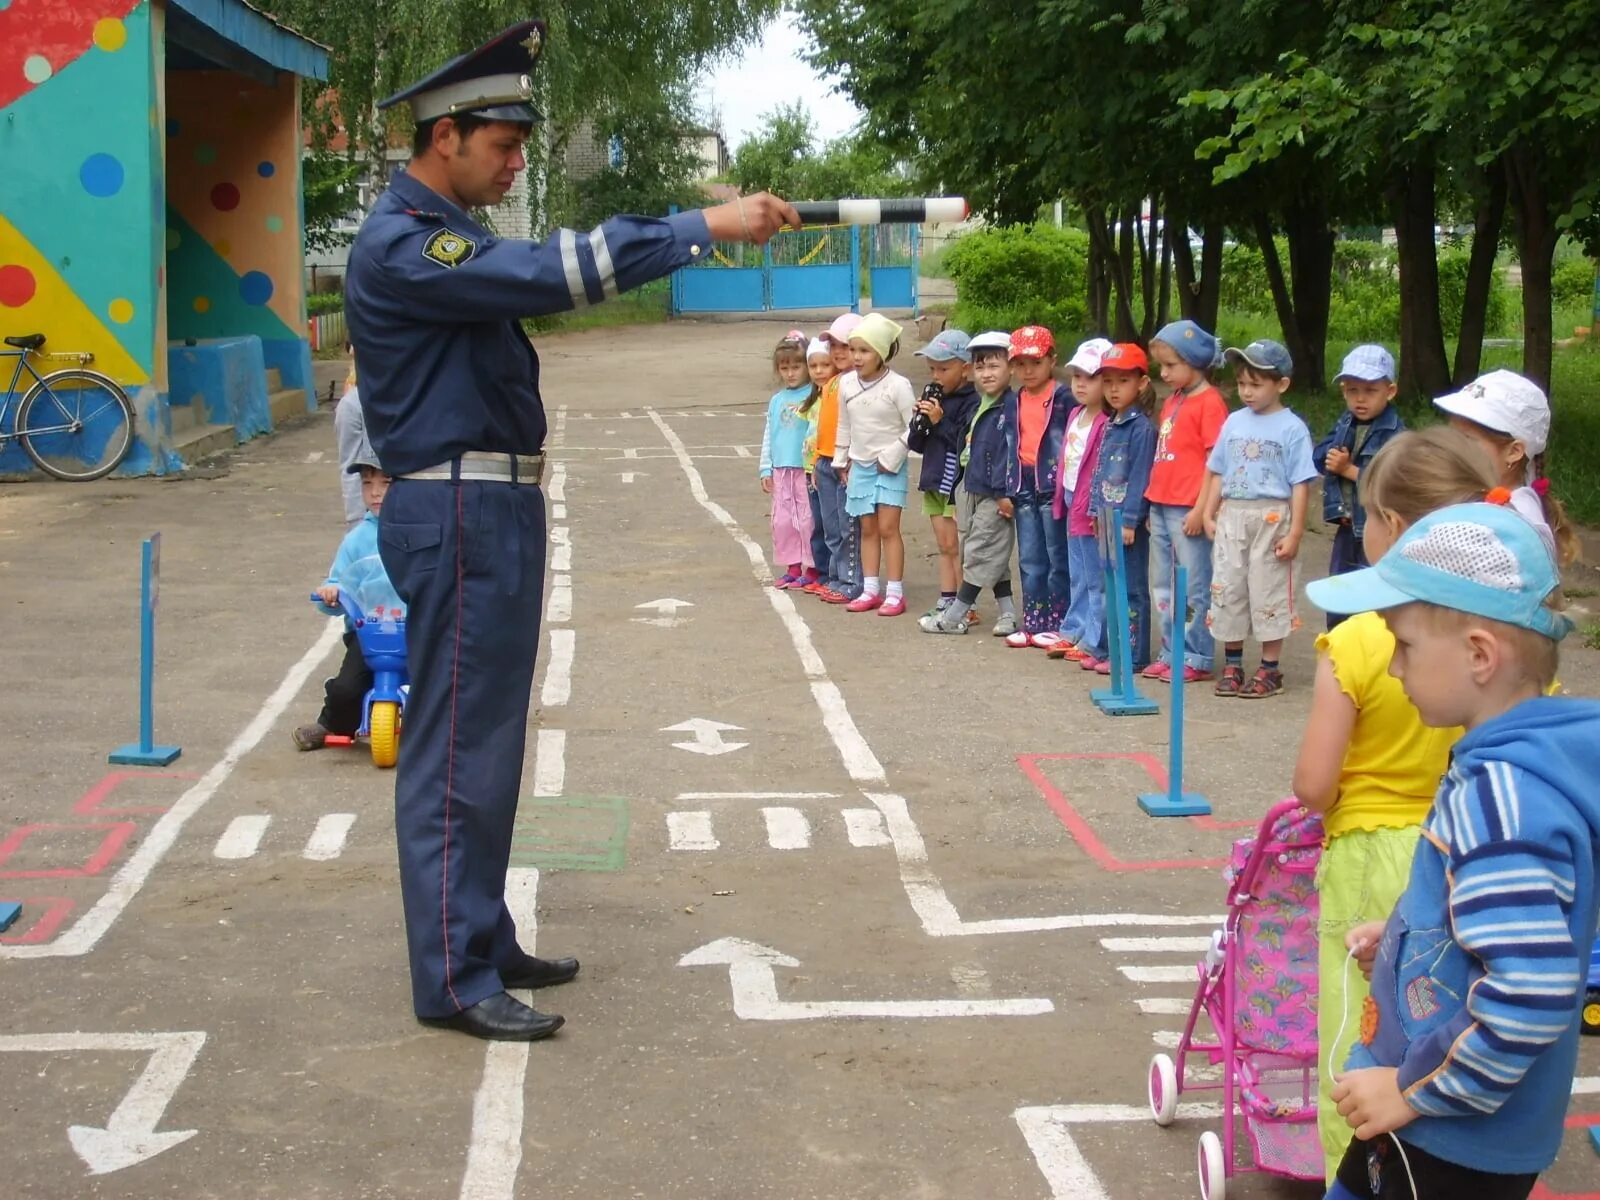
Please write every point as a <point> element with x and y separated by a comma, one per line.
<point>385,733</point>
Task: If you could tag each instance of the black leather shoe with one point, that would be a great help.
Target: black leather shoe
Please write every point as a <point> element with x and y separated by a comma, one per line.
<point>540,972</point>
<point>500,1018</point>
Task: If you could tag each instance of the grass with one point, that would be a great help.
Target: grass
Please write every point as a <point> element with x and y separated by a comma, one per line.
<point>647,305</point>
<point>1591,635</point>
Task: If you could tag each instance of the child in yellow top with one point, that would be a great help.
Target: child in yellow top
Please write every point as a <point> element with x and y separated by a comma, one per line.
<point>1367,762</point>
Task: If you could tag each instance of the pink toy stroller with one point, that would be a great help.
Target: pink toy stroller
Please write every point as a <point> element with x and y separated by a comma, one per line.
<point>1258,989</point>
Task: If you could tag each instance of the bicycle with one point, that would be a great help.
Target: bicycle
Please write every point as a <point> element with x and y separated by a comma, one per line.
<point>76,424</point>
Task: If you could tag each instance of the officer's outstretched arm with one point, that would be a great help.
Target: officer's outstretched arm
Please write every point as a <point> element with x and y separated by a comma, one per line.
<point>434,273</point>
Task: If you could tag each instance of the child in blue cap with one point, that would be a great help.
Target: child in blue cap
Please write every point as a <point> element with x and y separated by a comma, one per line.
<point>938,432</point>
<point>1458,1084</point>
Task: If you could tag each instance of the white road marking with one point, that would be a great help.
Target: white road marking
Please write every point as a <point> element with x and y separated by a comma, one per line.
<point>660,622</point>
<point>495,1151</point>
<point>242,837</point>
<point>757,795</point>
<point>707,736</point>
<point>755,991</point>
<point>560,607</point>
<point>327,839</point>
<point>630,476</point>
<point>1167,1039</point>
<point>1136,945</point>
<point>1063,1165</point>
<point>667,606</point>
<point>129,1137</point>
<point>561,555</point>
<point>858,758</point>
<point>558,512</point>
<point>315,456</point>
<point>742,451</point>
<point>630,453</point>
<point>556,488</point>
<point>557,688</point>
<point>550,763</point>
<point>690,831</point>
<point>970,979</point>
<point>1164,1007</point>
<point>1159,974</point>
<point>787,828</point>
<point>131,876</point>
<point>865,827</point>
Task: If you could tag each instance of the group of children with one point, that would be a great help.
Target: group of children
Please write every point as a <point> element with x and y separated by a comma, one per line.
<point>1462,833</point>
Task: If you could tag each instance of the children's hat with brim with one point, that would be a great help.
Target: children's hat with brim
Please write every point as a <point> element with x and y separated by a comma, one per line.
<point>877,331</point>
<point>365,456</point>
<point>1506,403</point>
<point>818,346</point>
<point>1481,559</point>
<point>994,339</point>
<point>1125,356</point>
<point>1087,356</point>
<point>1263,354</point>
<point>948,344</point>
<point>1033,341</point>
<point>843,326</point>
<point>1368,364</point>
<point>1196,346</point>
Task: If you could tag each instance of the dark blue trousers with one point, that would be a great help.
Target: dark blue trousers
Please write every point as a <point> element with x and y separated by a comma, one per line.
<point>1348,555</point>
<point>468,560</point>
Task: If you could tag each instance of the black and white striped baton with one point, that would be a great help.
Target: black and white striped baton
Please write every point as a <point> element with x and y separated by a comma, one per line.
<point>882,212</point>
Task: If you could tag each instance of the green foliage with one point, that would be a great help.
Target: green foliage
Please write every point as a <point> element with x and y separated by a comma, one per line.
<point>659,161</point>
<point>1016,275</point>
<point>318,303</point>
<point>328,184</point>
<point>784,157</point>
<point>1572,285</point>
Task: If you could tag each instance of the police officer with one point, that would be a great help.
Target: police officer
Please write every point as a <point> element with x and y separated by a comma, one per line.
<point>450,388</point>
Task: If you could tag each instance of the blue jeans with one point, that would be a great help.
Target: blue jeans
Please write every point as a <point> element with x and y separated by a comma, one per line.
<point>1167,536</point>
<point>819,537</point>
<point>840,532</point>
<point>1085,622</point>
<point>1348,555</point>
<point>1136,560</point>
<point>1042,557</point>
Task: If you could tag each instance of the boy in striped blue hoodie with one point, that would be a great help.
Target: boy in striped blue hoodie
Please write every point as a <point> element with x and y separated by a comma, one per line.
<point>1458,1084</point>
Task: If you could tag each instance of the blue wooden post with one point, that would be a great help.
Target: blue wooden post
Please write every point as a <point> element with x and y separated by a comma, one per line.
<point>855,268</point>
<point>1176,802</point>
<point>1122,698</point>
<point>145,752</point>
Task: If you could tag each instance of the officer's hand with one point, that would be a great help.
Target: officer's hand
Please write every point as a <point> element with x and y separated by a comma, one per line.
<point>762,216</point>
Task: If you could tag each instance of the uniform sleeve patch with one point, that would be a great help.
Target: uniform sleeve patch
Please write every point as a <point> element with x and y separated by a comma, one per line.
<point>448,249</point>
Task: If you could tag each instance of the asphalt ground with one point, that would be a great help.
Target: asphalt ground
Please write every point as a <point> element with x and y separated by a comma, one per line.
<point>909,937</point>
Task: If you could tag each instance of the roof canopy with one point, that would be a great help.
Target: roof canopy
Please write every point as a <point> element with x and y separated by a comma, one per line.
<point>234,36</point>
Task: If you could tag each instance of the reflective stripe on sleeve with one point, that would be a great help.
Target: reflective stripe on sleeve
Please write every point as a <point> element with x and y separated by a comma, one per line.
<point>602,262</point>
<point>574,271</point>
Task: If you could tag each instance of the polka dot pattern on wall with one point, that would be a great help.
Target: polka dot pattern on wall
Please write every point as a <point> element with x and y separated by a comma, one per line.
<point>202,304</point>
<point>255,287</point>
<point>205,154</point>
<point>225,197</point>
<point>120,310</point>
<point>266,170</point>
<point>36,68</point>
<point>17,285</point>
<point>274,224</point>
<point>101,175</point>
<point>174,127</point>
<point>110,34</point>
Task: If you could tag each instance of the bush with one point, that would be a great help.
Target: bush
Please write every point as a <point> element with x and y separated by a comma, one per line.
<point>324,302</point>
<point>1453,294</point>
<point>1017,275</point>
<point>1572,284</point>
<point>1244,287</point>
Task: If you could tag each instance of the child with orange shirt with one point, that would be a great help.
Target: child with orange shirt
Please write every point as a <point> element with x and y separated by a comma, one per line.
<point>840,530</point>
<point>1037,411</point>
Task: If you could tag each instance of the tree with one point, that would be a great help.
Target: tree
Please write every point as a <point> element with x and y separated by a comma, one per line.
<point>784,157</point>
<point>328,183</point>
<point>659,160</point>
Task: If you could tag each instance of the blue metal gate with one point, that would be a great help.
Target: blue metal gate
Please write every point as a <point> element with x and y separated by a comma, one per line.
<point>808,268</point>
<point>893,252</point>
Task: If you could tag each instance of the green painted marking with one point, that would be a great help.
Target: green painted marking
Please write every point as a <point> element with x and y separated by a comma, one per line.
<point>571,833</point>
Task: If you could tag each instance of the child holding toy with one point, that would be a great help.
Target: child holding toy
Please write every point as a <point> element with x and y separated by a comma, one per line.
<point>938,432</point>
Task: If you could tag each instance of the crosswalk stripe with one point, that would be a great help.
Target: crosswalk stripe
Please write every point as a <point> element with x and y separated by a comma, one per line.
<point>864,826</point>
<point>690,831</point>
<point>242,837</point>
<point>1154,945</point>
<point>1158,974</point>
<point>787,828</point>
<point>1164,1007</point>
<point>327,839</point>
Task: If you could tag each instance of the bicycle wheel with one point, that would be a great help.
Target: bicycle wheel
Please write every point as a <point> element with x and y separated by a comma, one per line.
<point>77,425</point>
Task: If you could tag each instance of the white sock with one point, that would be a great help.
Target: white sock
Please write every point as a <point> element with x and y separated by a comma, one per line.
<point>869,586</point>
<point>896,590</point>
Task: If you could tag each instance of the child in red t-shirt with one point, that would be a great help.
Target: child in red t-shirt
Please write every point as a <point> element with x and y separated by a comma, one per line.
<point>1191,420</point>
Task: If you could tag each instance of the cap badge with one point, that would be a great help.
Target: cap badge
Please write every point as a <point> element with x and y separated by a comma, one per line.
<point>533,43</point>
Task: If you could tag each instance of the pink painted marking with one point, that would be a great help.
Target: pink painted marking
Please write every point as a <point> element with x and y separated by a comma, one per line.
<point>56,911</point>
<point>93,801</point>
<point>117,832</point>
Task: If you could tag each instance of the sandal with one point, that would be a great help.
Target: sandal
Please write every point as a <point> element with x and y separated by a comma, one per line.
<point>1262,684</point>
<point>1231,683</point>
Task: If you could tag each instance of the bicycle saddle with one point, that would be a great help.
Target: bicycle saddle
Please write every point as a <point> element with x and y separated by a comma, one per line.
<point>27,341</point>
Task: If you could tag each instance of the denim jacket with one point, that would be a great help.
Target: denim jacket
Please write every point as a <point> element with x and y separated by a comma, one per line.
<point>1335,506</point>
<point>992,450</point>
<point>945,440</point>
<point>1043,483</point>
<point>1122,472</point>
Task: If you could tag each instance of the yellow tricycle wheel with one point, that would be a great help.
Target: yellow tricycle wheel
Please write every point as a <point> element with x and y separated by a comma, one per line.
<point>384,733</point>
<point>1591,1016</point>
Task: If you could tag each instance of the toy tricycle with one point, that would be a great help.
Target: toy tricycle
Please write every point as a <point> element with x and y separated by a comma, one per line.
<point>382,637</point>
<point>1591,997</point>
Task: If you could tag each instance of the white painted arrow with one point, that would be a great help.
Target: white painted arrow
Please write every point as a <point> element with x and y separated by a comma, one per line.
<point>130,1136</point>
<point>707,736</point>
<point>666,606</point>
<point>755,991</point>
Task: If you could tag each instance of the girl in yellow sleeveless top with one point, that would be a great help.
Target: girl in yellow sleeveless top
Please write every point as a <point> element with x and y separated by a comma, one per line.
<point>1367,762</point>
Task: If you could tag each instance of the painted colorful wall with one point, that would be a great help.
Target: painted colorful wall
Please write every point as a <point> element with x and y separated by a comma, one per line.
<point>81,195</point>
<point>233,225</point>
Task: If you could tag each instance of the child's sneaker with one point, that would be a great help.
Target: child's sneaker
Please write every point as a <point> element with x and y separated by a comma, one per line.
<point>1262,684</point>
<point>1046,639</point>
<point>892,608</point>
<point>1075,654</point>
<point>1196,675</point>
<point>785,582</point>
<point>1005,625</point>
<point>1157,670</point>
<point>1231,682</point>
<point>832,596</point>
<point>815,587</point>
<point>310,737</point>
<point>1103,667</point>
<point>1090,663</point>
<point>1063,649</point>
<point>972,616</point>
<point>1019,640</point>
<point>864,603</point>
<point>930,623</point>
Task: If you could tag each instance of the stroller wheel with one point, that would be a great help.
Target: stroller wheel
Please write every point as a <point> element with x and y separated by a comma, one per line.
<point>1163,1089</point>
<point>1213,1170</point>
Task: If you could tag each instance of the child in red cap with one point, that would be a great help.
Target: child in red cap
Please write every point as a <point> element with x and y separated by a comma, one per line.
<point>1036,410</point>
